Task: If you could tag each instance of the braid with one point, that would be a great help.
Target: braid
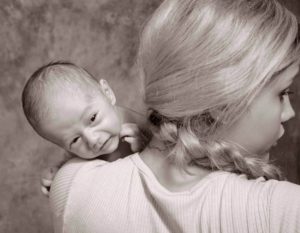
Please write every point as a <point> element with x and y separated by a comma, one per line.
<point>227,157</point>
<point>187,148</point>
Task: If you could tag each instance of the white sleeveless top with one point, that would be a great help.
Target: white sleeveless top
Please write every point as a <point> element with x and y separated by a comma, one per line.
<point>125,196</point>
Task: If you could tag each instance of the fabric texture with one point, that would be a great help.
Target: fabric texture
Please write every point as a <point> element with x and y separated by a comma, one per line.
<point>125,196</point>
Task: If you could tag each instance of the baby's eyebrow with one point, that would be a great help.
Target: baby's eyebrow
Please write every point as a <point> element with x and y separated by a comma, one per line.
<point>86,110</point>
<point>67,141</point>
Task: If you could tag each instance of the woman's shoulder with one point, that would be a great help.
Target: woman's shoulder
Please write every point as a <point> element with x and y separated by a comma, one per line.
<point>273,187</point>
<point>282,188</point>
<point>77,177</point>
<point>70,169</point>
<point>77,166</point>
<point>74,164</point>
<point>80,171</point>
<point>285,206</point>
<point>64,178</point>
<point>258,189</point>
<point>277,201</point>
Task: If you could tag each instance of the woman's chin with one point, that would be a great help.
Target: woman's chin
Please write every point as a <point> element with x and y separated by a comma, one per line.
<point>266,156</point>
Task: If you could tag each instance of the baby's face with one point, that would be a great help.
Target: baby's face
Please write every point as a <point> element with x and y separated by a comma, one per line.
<point>87,128</point>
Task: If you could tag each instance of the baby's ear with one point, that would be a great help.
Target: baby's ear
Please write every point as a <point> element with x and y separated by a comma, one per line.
<point>107,91</point>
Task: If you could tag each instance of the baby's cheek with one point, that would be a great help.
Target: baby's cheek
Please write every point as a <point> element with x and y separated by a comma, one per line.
<point>80,152</point>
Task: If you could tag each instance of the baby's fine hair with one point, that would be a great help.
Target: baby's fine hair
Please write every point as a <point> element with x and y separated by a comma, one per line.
<point>202,63</point>
<point>50,80</point>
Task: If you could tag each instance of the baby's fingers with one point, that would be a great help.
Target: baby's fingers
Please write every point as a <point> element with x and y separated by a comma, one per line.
<point>45,190</point>
<point>46,183</point>
<point>45,186</point>
<point>135,144</point>
<point>49,173</point>
<point>47,178</point>
<point>129,129</point>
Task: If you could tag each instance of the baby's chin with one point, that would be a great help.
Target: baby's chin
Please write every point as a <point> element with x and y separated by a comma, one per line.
<point>88,157</point>
<point>110,147</point>
<point>99,155</point>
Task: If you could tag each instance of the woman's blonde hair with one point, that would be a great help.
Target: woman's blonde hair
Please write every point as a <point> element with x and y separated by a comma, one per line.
<point>203,62</point>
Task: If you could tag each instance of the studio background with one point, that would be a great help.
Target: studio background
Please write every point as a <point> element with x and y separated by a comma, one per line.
<point>101,36</point>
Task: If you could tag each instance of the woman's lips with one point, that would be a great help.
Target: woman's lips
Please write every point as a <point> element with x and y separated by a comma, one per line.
<point>281,133</point>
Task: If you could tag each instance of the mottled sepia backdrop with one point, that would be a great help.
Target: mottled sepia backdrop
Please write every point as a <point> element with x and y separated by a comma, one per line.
<point>102,36</point>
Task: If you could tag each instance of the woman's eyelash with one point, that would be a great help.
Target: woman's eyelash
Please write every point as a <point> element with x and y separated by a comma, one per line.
<point>286,92</point>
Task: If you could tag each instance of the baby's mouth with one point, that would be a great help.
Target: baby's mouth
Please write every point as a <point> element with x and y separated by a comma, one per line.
<point>102,146</point>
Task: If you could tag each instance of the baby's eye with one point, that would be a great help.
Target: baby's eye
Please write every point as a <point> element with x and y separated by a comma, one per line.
<point>74,140</point>
<point>285,92</point>
<point>93,118</point>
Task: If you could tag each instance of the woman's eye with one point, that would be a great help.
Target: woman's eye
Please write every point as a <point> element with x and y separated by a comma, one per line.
<point>93,118</point>
<point>285,92</point>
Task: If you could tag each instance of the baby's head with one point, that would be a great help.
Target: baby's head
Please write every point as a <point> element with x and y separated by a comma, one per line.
<point>216,73</point>
<point>67,106</point>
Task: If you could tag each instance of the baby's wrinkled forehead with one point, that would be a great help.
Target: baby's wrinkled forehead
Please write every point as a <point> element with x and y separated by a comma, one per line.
<point>72,94</point>
<point>72,77</point>
<point>60,96</point>
<point>71,84</point>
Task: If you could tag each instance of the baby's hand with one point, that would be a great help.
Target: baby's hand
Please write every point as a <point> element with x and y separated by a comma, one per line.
<point>47,179</point>
<point>131,133</point>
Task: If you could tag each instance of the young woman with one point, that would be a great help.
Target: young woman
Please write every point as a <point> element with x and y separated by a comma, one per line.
<point>216,76</point>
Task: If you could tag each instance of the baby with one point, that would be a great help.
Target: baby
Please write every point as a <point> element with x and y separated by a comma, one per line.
<point>67,106</point>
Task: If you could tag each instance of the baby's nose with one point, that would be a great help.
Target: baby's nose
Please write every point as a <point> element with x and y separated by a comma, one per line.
<point>91,138</point>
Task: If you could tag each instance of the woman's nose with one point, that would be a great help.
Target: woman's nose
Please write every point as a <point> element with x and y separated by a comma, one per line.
<point>288,111</point>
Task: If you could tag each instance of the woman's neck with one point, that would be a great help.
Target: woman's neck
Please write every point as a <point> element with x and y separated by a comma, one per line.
<point>172,177</point>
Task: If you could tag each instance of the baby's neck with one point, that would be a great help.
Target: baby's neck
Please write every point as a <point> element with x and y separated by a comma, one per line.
<point>128,115</point>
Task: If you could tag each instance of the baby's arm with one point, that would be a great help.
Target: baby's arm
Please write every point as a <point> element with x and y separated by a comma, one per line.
<point>49,173</point>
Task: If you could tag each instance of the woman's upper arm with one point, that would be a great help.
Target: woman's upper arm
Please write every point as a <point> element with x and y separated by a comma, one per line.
<point>60,189</point>
<point>63,185</point>
<point>285,208</point>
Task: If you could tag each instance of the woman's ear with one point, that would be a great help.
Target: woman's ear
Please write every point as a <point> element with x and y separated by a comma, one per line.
<point>218,114</point>
<point>214,115</point>
<point>107,91</point>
